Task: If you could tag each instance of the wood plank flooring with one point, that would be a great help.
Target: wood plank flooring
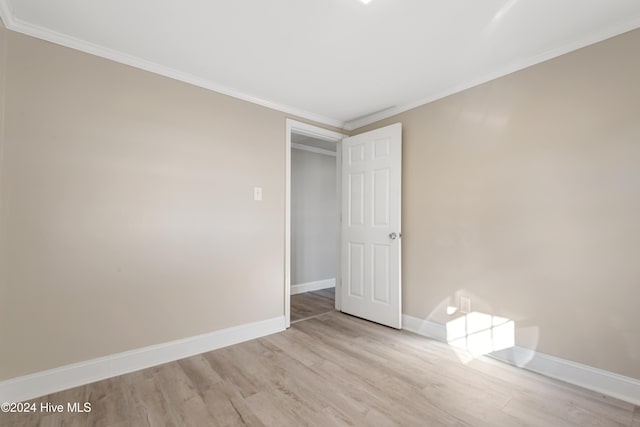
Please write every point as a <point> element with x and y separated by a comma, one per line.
<point>310,304</point>
<point>334,370</point>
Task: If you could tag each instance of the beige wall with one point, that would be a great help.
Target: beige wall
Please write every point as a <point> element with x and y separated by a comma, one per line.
<point>127,219</point>
<point>129,213</point>
<point>314,217</point>
<point>525,194</point>
<point>3,287</point>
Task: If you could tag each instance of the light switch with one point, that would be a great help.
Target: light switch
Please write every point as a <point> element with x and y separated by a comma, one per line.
<point>257,193</point>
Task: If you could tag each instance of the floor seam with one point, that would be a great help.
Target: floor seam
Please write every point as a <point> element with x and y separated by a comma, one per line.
<point>311,317</point>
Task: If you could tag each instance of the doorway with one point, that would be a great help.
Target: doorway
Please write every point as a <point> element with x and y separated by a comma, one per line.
<point>369,203</point>
<point>312,261</point>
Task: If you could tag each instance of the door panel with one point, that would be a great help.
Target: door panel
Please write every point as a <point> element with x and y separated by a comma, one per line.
<point>381,260</point>
<point>370,246</point>
<point>381,198</point>
<point>356,270</point>
<point>356,199</point>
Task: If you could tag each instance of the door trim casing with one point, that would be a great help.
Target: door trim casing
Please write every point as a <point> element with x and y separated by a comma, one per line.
<point>301,128</point>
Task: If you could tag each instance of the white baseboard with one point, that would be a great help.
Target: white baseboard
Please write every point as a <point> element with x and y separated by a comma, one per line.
<point>69,376</point>
<point>313,286</point>
<point>598,380</point>
<point>426,328</point>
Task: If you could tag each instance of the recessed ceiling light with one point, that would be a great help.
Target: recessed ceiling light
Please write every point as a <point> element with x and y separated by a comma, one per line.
<point>365,1</point>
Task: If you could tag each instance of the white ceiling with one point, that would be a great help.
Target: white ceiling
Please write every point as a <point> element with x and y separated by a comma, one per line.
<point>335,61</point>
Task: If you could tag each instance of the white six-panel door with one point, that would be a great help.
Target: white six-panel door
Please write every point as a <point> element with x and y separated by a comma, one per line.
<point>371,211</point>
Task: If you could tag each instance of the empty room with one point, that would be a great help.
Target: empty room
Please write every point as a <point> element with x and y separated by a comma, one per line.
<point>320,213</point>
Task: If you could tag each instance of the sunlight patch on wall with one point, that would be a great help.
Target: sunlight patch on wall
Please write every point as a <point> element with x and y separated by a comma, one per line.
<point>480,333</point>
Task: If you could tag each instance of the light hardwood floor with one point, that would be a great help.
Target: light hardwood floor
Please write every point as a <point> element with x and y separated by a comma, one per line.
<point>310,304</point>
<point>334,369</point>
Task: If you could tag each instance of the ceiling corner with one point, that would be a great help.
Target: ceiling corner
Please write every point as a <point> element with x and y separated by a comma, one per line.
<point>6,14</point>
<point>630,24</point>
<point>36,31</point>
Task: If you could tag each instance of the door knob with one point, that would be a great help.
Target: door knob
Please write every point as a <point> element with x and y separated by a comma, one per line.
<point>393,236</point>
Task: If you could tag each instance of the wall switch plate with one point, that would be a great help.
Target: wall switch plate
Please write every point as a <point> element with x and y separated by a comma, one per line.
<point>465,304</point>
<point>257,193</point>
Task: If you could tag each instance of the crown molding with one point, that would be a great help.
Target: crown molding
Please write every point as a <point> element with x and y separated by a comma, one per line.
<point>5,13</point>
<point>630,25</point>
<point>15,24</point>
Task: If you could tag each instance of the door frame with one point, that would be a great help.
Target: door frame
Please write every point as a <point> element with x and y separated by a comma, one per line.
<point>300,128</point>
